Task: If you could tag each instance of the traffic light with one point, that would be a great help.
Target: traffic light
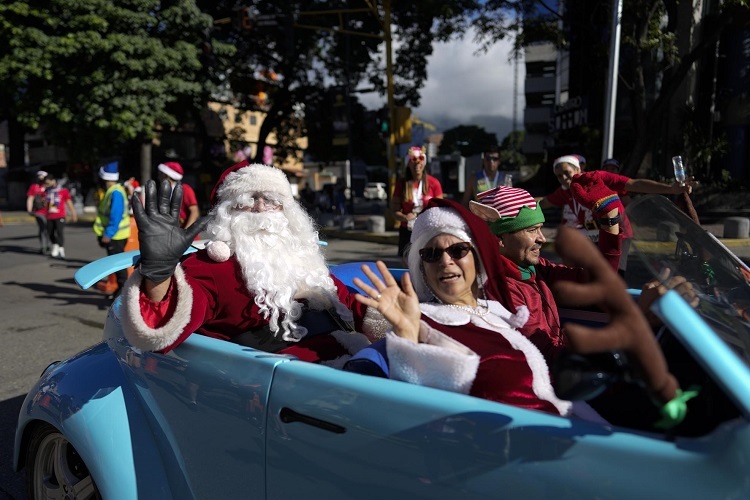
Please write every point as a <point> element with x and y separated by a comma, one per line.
<point>384,122</point>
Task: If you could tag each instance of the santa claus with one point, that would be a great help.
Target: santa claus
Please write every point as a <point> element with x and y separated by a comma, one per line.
<point>262,279</point>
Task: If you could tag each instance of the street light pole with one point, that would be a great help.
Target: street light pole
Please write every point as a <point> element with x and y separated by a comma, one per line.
<point>614,62</point>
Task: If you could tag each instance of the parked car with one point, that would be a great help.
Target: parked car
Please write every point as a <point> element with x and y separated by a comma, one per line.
<point>375,191</point>
<point>214,419</point>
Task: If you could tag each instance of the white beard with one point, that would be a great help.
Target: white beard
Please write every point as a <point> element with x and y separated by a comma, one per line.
<point>279,268</point>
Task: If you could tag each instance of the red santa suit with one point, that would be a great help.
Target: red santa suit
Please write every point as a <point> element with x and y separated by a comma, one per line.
<point>208,294</point>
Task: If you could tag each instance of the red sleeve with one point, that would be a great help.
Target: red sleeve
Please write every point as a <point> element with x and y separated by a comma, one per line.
<point>559,197</point>
<point>156,314</point>
<point>610,245</point>
<point>615,182</point>
<point>347,298</point>
<point>64,196</point>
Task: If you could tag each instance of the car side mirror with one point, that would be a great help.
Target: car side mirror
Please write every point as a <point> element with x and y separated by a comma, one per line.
<point>577,377</point>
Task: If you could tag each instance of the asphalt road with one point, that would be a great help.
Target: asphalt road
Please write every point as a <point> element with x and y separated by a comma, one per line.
<point>47,317</point>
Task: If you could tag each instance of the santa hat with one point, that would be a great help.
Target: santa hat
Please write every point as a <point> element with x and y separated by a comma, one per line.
<point>572,159</point>
<point>41,173</point>
<point>172,169</point>
<point>507,209</point>
<point>448,216</point>
<point>109,172</point>
<point>246,178</point>
<point>414,152</point>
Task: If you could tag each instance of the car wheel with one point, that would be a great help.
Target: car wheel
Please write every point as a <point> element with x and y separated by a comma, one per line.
<point>55,469</point>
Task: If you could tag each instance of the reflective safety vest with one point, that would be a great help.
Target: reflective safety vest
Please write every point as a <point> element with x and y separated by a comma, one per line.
<point>102,216</point>
<point>483,183</point>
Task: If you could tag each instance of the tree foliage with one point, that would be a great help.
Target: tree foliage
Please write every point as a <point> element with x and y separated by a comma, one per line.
<point>98,73</point>
<point>469,140</point>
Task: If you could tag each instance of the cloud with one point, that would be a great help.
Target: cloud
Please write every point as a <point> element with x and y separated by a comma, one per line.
<point>464,88</point>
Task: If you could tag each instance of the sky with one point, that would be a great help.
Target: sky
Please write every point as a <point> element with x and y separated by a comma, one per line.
<point>467,89</point>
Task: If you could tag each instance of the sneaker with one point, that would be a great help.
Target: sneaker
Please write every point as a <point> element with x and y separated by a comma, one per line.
<point>62,253</point>
<point>55,250</point>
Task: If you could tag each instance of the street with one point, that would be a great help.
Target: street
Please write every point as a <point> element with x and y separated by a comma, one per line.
<point>47,317</point>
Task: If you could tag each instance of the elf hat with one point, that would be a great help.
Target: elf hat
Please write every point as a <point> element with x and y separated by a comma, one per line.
<point>507,209</point>
<point>109,172</point>
<point>572,159</point>
<point>172,169</point>
<point>246,178</point>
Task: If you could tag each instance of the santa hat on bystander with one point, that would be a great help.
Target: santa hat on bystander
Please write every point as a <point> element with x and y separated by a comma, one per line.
<point>109,172</point>
<point>507,209</point>
<point>172,169</point>
<point>572,159</point>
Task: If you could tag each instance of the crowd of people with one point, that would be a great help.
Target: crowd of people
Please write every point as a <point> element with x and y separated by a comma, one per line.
<point>50,204</point>
<point>476,313</point>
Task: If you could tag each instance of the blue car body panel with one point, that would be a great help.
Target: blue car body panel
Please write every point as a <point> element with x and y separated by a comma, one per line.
<point>213,419</point>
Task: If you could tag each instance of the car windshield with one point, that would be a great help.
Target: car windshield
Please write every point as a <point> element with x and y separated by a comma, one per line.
<point>664,237</point>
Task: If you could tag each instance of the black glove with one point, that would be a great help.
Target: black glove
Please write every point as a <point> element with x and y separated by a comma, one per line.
<point>160,237</point>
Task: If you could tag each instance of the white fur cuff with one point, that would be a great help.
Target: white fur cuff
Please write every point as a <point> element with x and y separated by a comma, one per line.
<point>137,332</point>
<point>442,364</point>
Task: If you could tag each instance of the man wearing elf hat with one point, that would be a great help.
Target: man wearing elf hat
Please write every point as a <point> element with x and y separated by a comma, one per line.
<point>516,219</point>
<point>262,279</point>
<point>173,172</point>
<point>112,223</point>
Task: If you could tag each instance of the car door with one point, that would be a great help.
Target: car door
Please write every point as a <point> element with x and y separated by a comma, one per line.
<point>333,434</point>
<point>207,404</point>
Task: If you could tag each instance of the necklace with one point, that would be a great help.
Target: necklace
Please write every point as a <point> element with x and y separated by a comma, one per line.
<point>478,311</point>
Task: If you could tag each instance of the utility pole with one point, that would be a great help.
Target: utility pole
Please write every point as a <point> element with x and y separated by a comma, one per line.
<point>614,62</point>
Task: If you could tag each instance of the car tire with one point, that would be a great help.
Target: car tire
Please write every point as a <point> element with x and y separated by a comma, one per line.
<point>54,469</point>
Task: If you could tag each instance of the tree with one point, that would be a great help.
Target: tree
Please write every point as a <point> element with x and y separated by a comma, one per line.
<point>469,140</point>
<point>304,44</point>
<point>99,73</point>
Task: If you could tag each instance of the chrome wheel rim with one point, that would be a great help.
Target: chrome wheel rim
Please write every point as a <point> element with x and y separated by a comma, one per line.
<point>59,472</point>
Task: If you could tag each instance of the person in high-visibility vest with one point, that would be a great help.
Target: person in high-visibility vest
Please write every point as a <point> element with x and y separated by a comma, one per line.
<point>112,224</point>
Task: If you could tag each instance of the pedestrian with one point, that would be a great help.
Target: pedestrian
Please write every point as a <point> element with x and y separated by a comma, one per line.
<point>58,202</point>
<point>35,206</point>
<point>486,178</point>
<point>411,194</point>
<point>568,167</point>
<point>112,224</point>
<point>173,172</point>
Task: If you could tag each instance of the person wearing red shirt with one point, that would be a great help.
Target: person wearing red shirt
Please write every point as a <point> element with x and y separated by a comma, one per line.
<point>189,212</point>
<point>57,199</point>
<point>411,195</point>
<point>35,206</point>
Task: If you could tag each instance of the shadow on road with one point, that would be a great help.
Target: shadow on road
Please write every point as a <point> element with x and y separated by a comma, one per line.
<point>12,483</point>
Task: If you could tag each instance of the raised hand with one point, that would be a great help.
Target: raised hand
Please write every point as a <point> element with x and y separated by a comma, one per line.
<point>399,307</point>
<point>627,330</point>
<point>161,240</point>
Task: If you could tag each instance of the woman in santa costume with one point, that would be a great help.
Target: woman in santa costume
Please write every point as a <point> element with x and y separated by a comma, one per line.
<point>262,279</point>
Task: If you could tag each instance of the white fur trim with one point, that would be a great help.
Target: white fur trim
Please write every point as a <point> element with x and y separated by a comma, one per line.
<point>137,332</point>
<point>374,324</point>
<point>108,176</point>
<point>218,251</point>
<point>442,364</point>
<point>172,174</point>
<point>503,322</point>
<point>567,159</point>
<point>252,179</point>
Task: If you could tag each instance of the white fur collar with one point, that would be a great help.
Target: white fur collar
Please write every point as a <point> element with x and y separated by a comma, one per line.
<point>453,316</point>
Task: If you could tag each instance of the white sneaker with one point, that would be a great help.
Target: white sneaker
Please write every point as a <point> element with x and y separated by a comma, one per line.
<point>55,250</point>
<point>62,253</point>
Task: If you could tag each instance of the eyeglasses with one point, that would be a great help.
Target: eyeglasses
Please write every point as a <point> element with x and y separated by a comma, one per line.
<point>264,202</point>
<point>456,251</point>
<point>492,158</point>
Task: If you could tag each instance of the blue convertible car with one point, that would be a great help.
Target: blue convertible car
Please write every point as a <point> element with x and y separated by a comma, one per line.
<point>214,419</point>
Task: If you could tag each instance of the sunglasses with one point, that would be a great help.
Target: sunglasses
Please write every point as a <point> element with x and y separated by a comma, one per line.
<point>456,251</point>
<point>493,158</point>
